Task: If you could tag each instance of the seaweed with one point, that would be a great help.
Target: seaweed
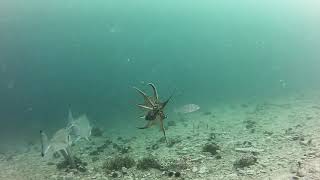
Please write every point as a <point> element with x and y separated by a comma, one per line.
<point>211,148</point>
<point>148,162</point>
<point>207,113</point>
<point>118,162</point>
<point>77,164</point>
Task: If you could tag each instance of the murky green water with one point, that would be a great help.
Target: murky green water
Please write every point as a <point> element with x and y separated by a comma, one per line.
<point>88,54</point>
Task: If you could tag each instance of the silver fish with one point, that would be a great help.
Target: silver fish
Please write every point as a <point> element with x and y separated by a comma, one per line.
<point>188,108</point>
<point>60,140</point>
<point>79,128</point>
<point>44,143</point>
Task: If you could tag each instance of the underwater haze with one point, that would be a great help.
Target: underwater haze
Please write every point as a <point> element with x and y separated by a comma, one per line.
<point>87,56</point>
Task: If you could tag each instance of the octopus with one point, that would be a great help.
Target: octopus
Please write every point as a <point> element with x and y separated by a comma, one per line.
<point>153,108</point>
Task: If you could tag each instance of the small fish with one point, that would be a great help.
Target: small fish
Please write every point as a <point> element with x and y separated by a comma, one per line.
<point>79,128</point>
<point>188,108</point>
<point>60,141</point>
<point>44,143</point>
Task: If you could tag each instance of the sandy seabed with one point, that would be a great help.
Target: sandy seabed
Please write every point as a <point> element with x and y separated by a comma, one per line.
<point>271,138</point>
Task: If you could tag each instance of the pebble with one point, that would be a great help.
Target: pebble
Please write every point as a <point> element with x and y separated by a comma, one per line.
<point>146,175</point>
<point>96,176</point>
<point>194,169</point>
<point>124,170</point>
<point>295,178</point>
<point>262,171</point>
<point>129,178</point>
<point>203,169</point>
<point>250,172</point>
<point>195,159</point>
<point>311,153</point>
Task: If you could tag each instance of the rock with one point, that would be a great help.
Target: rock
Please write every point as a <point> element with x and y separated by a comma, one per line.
<point>176,174</point>
<point>203,169</point>
<point>294,178</point>
<point>114,175</point>
<point>245,161</point>
<point>211,148</point>
<point>155,147</point>
<point>194,169</point>
<point>124,170</point>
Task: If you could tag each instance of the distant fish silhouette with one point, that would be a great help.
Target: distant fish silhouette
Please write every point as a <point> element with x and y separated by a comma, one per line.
<point>188,108</point>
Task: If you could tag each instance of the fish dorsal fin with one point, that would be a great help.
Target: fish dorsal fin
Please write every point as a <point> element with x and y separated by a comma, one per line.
<point>70,116</point>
